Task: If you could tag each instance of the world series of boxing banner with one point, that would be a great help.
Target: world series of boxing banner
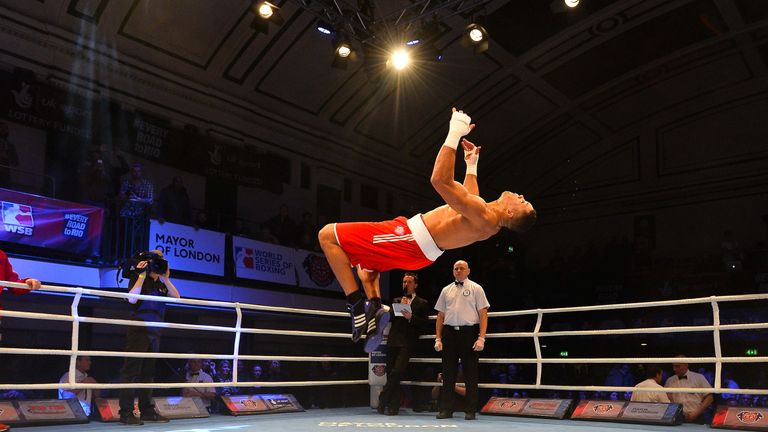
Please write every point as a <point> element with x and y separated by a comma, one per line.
<point>279,264</point>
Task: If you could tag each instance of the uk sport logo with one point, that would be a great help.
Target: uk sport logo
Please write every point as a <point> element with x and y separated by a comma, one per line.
<point>17,218</point>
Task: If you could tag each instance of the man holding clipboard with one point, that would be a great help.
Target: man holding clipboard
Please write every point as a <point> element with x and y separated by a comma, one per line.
<point>409,316</point>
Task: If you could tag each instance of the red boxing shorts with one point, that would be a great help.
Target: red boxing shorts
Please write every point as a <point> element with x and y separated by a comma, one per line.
<point>380,246</point>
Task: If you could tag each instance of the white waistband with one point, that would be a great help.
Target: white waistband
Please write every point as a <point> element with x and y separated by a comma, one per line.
<point>424,238</point>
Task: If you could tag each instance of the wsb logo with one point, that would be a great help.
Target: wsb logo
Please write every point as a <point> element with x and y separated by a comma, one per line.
<point>17,218</point>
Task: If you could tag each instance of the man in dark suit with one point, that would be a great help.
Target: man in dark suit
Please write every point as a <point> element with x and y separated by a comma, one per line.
<point>401,343</point>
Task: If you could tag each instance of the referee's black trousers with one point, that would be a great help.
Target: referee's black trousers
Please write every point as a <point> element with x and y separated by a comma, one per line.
<point>457,344</point>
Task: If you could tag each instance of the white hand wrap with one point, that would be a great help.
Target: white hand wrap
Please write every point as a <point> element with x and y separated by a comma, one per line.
<point>458,127</point>
<point>471,158</point>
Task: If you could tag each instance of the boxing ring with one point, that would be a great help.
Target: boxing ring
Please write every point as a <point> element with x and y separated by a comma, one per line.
<point>365,417</point>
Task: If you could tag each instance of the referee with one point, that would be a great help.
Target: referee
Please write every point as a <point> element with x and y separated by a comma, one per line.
<point>462,320</point>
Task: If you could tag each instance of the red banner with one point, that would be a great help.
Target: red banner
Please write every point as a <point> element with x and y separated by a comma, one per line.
<point>50,223</point>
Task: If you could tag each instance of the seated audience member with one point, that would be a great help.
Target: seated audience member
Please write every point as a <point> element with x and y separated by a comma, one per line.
<point>275,372</point>
<point>195,374</point>
<point>84,396</point>
<point>620,376</point>
<point>257,374</point>
<point>225,375</point>
<point>729,383</point>
<point>694,404</point>
<point>653,374</point>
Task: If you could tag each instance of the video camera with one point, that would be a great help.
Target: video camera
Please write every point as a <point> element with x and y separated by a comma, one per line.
<point>155,263</point>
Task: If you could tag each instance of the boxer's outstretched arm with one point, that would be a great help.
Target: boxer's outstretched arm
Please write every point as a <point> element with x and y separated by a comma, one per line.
<point>454,193</point>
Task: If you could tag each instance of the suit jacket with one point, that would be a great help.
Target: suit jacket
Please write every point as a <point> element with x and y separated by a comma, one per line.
<point>404,333</point>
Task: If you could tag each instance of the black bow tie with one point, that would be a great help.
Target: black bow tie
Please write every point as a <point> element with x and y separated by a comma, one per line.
<point>683,377</point>
<point>459,283</point>
<point>194,373</point>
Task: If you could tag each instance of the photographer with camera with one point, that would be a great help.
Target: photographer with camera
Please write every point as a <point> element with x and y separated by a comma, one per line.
<point>149,274</point>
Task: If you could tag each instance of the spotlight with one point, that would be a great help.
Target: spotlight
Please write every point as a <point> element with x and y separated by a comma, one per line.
<point>266,10</point>
<point>324,28</point>
<point>475,36</point>
<point>413,42</point>
<point>571,3</point>
<point>343,51</point>
<point>400,59</point>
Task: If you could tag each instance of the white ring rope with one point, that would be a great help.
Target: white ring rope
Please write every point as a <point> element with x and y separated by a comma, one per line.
<point>238,330</point>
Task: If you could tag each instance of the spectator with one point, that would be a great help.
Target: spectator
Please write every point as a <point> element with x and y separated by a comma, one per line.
<point>196,374</point>
<point>257,374</point>
<point>283,227</point>
<point>173,203</point>
<point>709,375</point>
<point>225,375</point>
<point>209,367</point>
<point>202,221</point>
<point>138,194</point>
<point>93,178</point>
<point>240,229</point>
<point>8,156</point>
<point>275,372</point>
<point>265,235</point>
<point>694,404</point>
<point>307,232</point>
<point>84,396</point>
<point>729,383</point>
<point>620,376</point>
<point>654,374</point>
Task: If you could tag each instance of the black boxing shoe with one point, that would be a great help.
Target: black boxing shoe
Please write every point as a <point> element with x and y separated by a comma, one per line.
<point>377,318</point>
<point>359,321</point>
<point>154,417</point>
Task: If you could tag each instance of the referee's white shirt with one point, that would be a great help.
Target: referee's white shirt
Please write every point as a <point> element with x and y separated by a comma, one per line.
<point>648,396</point>
<point>460,304</point>
<point>690,401</point>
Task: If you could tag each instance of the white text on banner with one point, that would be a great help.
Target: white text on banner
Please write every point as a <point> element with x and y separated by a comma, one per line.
<point>263,261</point>
<point>188,249</point>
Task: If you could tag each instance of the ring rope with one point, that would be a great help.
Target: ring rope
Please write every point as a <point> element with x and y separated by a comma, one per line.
<point>716,327</point>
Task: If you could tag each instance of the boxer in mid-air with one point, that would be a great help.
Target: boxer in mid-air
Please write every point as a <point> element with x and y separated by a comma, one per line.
<point>411,244</point>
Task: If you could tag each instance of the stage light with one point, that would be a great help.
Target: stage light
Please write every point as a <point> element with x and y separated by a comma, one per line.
<point>571,3</point>
<point>324,28</point>
<point>475,36</point>
<point>266,10</point>
<point>343,50</point>
<point>266,13</point>
<point>413,42</point>
<point>400,59</point>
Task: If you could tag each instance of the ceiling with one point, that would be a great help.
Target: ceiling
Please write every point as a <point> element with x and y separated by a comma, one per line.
<point>614,105</point>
